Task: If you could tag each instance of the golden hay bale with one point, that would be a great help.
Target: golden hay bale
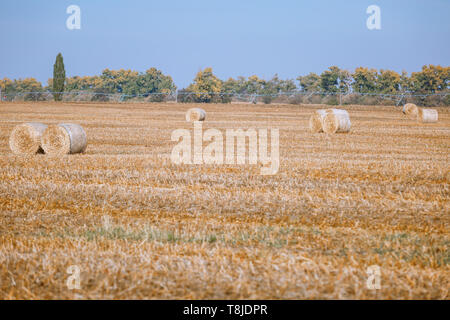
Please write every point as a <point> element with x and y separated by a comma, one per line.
<point>195,114</point>
<point>410,109</point>
<point>315,122</point>
<point>26,138</point>
<point>64,138</point>
<point>427,115</point>
<point>336,120</point>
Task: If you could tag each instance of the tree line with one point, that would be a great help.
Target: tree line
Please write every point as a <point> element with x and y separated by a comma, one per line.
<point>329,86</point>
<point>326,87</point>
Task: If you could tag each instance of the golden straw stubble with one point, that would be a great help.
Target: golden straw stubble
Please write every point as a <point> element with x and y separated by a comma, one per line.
<point>65,138</point>
<point>25,138</point>
<point>195,227</point>
<point>195,114</point>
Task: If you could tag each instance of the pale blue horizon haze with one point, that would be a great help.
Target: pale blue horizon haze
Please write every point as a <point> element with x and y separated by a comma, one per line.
<point>235,38</point>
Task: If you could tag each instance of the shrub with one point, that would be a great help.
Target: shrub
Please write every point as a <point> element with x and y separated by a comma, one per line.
<point>185,96</point>
<point>267,99</point>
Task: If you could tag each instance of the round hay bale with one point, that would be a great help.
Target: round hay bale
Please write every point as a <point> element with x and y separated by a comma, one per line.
<point>195,114</point>
<point>26,138</point>
<point>336,120</point>
<point>410,109</point>
<point>316,120</point>
<point>65,138</point>
<point>427,115</point>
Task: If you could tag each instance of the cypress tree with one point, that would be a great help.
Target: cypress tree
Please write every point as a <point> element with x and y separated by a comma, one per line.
<point>59,77</point>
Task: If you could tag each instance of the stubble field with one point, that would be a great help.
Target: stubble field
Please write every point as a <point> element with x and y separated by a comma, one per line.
<point>139,226</point>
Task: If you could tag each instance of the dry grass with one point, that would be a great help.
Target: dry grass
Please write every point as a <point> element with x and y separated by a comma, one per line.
<point>140,227</point>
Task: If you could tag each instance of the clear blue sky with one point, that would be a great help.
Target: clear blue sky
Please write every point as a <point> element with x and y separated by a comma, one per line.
<point>235,37</point>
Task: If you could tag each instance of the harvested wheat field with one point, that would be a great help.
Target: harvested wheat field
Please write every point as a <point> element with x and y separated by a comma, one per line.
<point>139,226</point>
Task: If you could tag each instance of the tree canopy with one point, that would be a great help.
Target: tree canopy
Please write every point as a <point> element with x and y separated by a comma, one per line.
<point>207,87</point>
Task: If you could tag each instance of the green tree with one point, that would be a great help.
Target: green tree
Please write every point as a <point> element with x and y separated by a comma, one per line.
<point>310,82</point>
<point>254,85</point>
<point>119,81</point>
<point>242,85</point>
<point>431,79</point>
<point>405,82</point>
<point>59,77</point>
<point>335,80</point>
<point>126,82</point>
<point>87,83</point>
<point>30,87</point>
<point>206,86</point>
<point>276,86</point>
<point>364,80</point>
<point>388,81</point>
<point>230,86</point>
<point>154,83</point>
<point>281,86</point>
<point>7,85</point>
<point>269,88</point>
<point>329,80</point>
<point>344,81</point>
